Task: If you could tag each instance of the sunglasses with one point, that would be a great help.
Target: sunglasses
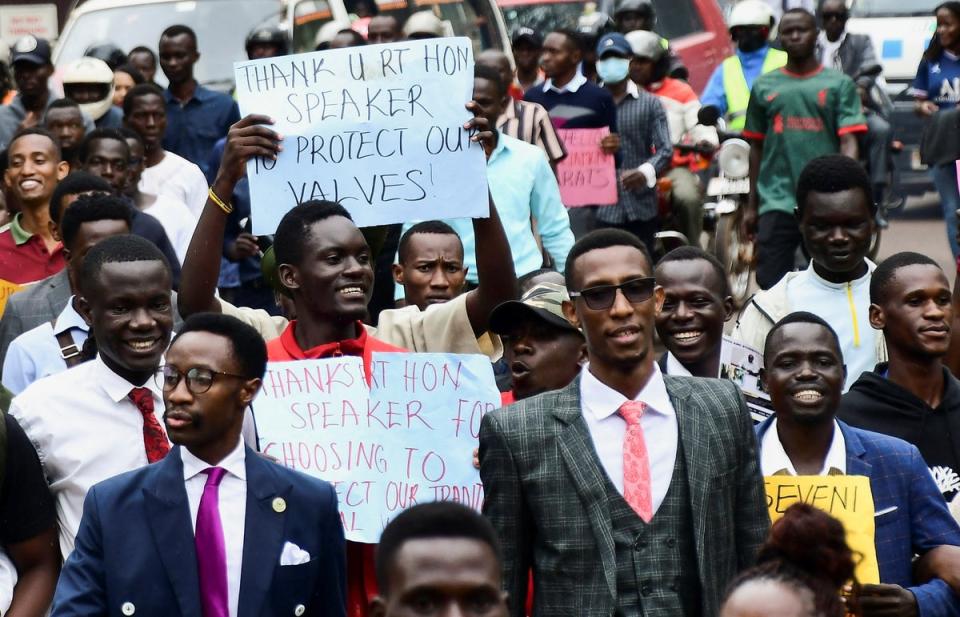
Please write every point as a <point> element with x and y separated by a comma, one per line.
<point>602,297</point>
<point>831,15</point>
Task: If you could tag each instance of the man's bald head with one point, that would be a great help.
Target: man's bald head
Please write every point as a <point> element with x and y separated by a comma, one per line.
<point>498,61</point>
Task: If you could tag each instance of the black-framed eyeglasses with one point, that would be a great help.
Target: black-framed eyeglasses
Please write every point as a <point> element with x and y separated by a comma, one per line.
<point>199,379</point>
<point>841,15</point>
<point>602,297</point>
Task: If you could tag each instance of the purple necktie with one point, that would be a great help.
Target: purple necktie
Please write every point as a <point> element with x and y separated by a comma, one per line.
<point>211,553</point>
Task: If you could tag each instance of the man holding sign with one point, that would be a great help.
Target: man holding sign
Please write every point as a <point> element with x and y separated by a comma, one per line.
<point>804,375</point>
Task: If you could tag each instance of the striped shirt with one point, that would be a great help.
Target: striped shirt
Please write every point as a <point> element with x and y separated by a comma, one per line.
<point>644,138</point>
<point>531,123</point>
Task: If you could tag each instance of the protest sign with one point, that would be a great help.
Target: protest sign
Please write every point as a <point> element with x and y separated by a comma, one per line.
<point>846,498</point>
<point>742,364</point>
<point>587,176</point>
<point>407,438</point>
<point>377,128</point>
<point>7,289</point>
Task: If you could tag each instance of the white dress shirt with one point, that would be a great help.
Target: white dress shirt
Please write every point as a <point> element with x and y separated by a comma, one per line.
<point>8,580</point>
<point>599,404</point>
<point>774,459</point>
<point>36,353</point>
<point>232,503</point>
<point>85,430</point>
<point>571,86</point>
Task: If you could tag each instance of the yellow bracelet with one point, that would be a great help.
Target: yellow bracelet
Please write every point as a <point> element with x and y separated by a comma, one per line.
<point>227,208</point>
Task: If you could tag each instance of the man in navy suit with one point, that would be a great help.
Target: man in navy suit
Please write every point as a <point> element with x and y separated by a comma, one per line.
<point>804,374</point>
<point>212,530</point>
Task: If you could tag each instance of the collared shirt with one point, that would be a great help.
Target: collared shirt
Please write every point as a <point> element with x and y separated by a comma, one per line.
<point>675,368</point>
<point>178,179</point>
<point>751,63</point>
<point>24,257</point>
<point>531,123</point>
<point>644,144</point>
<point>571,86</point>
<point>35,354</point>
<point>13,114</point>
<point>830,50</point>
<point>846,307</point>
<point>85,430</point>
<point>232,504</point>
<point>524,188</point>
<point>599,405</point>
<point>195,126</point>
<point>775,462</point>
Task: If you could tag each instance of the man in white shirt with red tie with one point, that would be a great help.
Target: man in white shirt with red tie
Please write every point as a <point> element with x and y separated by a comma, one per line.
<point>216,530</point>
<point>627,492</point>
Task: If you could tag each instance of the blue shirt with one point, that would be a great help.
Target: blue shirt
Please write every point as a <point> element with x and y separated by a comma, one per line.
<point>232,274</point>
<point>523,187</point>
<point>939,81</point>
<point>113,119</point>
<point>752,63</point>
<point>36,353</point>
<point>195,126</point>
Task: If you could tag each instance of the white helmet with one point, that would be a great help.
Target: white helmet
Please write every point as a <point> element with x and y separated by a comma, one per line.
<point>423,24</point>
<point>750,13</point>
<point>86,72</point>
<point>329,31</point>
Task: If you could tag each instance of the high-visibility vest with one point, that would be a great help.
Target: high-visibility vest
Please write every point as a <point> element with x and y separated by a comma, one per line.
<point>736,89</point>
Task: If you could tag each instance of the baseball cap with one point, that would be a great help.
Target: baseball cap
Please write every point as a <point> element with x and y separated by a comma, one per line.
<point>542,301</point>
<point>616,42</point>
<point>525,33</point>
<point>31,49</point>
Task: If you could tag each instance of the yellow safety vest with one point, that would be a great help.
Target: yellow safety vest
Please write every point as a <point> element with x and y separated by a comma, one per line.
<point>735,85</point>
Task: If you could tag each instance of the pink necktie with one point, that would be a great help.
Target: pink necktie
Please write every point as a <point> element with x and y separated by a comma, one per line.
<point>636,462</point>
<point>211,553</point>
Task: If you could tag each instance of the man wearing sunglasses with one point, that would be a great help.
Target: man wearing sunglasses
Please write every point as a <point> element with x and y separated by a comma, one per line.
<point>853,54</point>
<point>626,492</point>
<point>262,535</point>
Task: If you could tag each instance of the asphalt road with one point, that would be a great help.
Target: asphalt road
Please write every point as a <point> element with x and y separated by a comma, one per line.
<point>919,227</point>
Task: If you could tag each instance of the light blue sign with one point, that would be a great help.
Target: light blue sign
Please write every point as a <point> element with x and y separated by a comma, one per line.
<point>892,49</point>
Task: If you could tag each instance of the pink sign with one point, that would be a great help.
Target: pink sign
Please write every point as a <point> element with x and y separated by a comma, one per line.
<point>588,176</point>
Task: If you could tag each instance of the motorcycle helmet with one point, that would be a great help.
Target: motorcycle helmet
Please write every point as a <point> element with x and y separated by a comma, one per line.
<point>268,35</point>
<point>109,53</point>
<point>89,82</point>
<point>750,13</point>
<point>645,44</point>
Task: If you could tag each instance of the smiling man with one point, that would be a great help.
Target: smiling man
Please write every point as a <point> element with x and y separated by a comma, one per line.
<point>804,376</point>
<point>28,250</point>
<point>696,305</point>
<point>836,216</point>
<point>913,396</point>
<point>625,492</point>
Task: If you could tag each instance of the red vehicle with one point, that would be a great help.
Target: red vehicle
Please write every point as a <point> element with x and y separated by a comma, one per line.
<point>695,28</point>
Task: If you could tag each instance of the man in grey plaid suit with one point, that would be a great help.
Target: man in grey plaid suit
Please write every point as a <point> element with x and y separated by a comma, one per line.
<point>560,470</point>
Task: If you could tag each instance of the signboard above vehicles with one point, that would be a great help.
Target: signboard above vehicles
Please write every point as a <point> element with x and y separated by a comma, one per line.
<point>18,20</point>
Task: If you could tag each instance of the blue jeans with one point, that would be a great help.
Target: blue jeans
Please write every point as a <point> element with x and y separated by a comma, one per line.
<point>945,179</point>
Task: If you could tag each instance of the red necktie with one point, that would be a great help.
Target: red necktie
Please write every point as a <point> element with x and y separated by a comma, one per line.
<point>154,439</point>
<point>636,462</point>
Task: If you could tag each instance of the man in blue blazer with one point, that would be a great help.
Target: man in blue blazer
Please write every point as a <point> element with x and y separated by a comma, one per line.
<point>804,375</point>
<point>212,530</point>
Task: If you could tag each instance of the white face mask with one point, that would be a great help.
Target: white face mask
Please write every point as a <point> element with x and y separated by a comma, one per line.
<point>613,70</point>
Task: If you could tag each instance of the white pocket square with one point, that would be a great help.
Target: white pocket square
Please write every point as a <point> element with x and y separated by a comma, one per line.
<point>293,555</point>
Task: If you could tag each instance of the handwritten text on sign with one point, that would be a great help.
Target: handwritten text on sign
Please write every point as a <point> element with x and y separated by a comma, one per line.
<point>587,176</point>
<point>408,438</point>
<point>846,498</point>
<point>377,128</point>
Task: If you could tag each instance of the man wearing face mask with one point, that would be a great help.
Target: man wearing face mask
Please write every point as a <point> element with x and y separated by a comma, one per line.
<point>729,86</point>
<point>645,146</point>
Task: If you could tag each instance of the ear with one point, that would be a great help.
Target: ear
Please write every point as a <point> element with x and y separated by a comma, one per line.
<point>83,307</point>
<point>249,390</point>
<point>728,308</point>
<point>763,379</point>
<point>397,274</point>
<point>289,276</point>
<point>56,235</point>
<point>63,168</point>
<point>582,355</point>
<point>377,607</point>
<point>877,319</point>
<point>659,295</point>
<point>570,312</point>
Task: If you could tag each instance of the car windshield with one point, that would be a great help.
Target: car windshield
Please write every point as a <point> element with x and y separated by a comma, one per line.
<point>541,16</point>
<point>221,27</point>
<point>473,18</point>
<point>893,8</point>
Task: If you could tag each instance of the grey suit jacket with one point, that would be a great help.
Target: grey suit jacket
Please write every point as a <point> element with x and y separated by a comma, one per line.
<point>544,493</point>
<point>37,304</point>
<point>856,52</point>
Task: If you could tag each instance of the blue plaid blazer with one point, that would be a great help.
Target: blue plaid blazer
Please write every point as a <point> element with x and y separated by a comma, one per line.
<point>911,515</point>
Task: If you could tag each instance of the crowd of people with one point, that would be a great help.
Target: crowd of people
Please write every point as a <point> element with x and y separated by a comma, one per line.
<point>623,474</point>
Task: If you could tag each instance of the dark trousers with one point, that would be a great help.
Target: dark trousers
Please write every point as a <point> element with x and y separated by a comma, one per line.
<point>778,237</point>
<point>645,230</point>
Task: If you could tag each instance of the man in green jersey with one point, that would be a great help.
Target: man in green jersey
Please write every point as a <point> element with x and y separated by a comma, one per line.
<point>795,114</point>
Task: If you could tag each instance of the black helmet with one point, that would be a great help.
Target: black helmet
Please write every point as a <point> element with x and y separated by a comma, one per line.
<point>640,6</point>
<point>269,35</point>
<point>109,53</point>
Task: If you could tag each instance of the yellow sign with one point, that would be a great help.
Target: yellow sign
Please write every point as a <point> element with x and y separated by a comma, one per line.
<point>7,289</point>
<point>846,498</point>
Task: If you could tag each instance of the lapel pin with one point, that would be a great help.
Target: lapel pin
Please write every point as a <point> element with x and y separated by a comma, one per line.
<point>279,505</point>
